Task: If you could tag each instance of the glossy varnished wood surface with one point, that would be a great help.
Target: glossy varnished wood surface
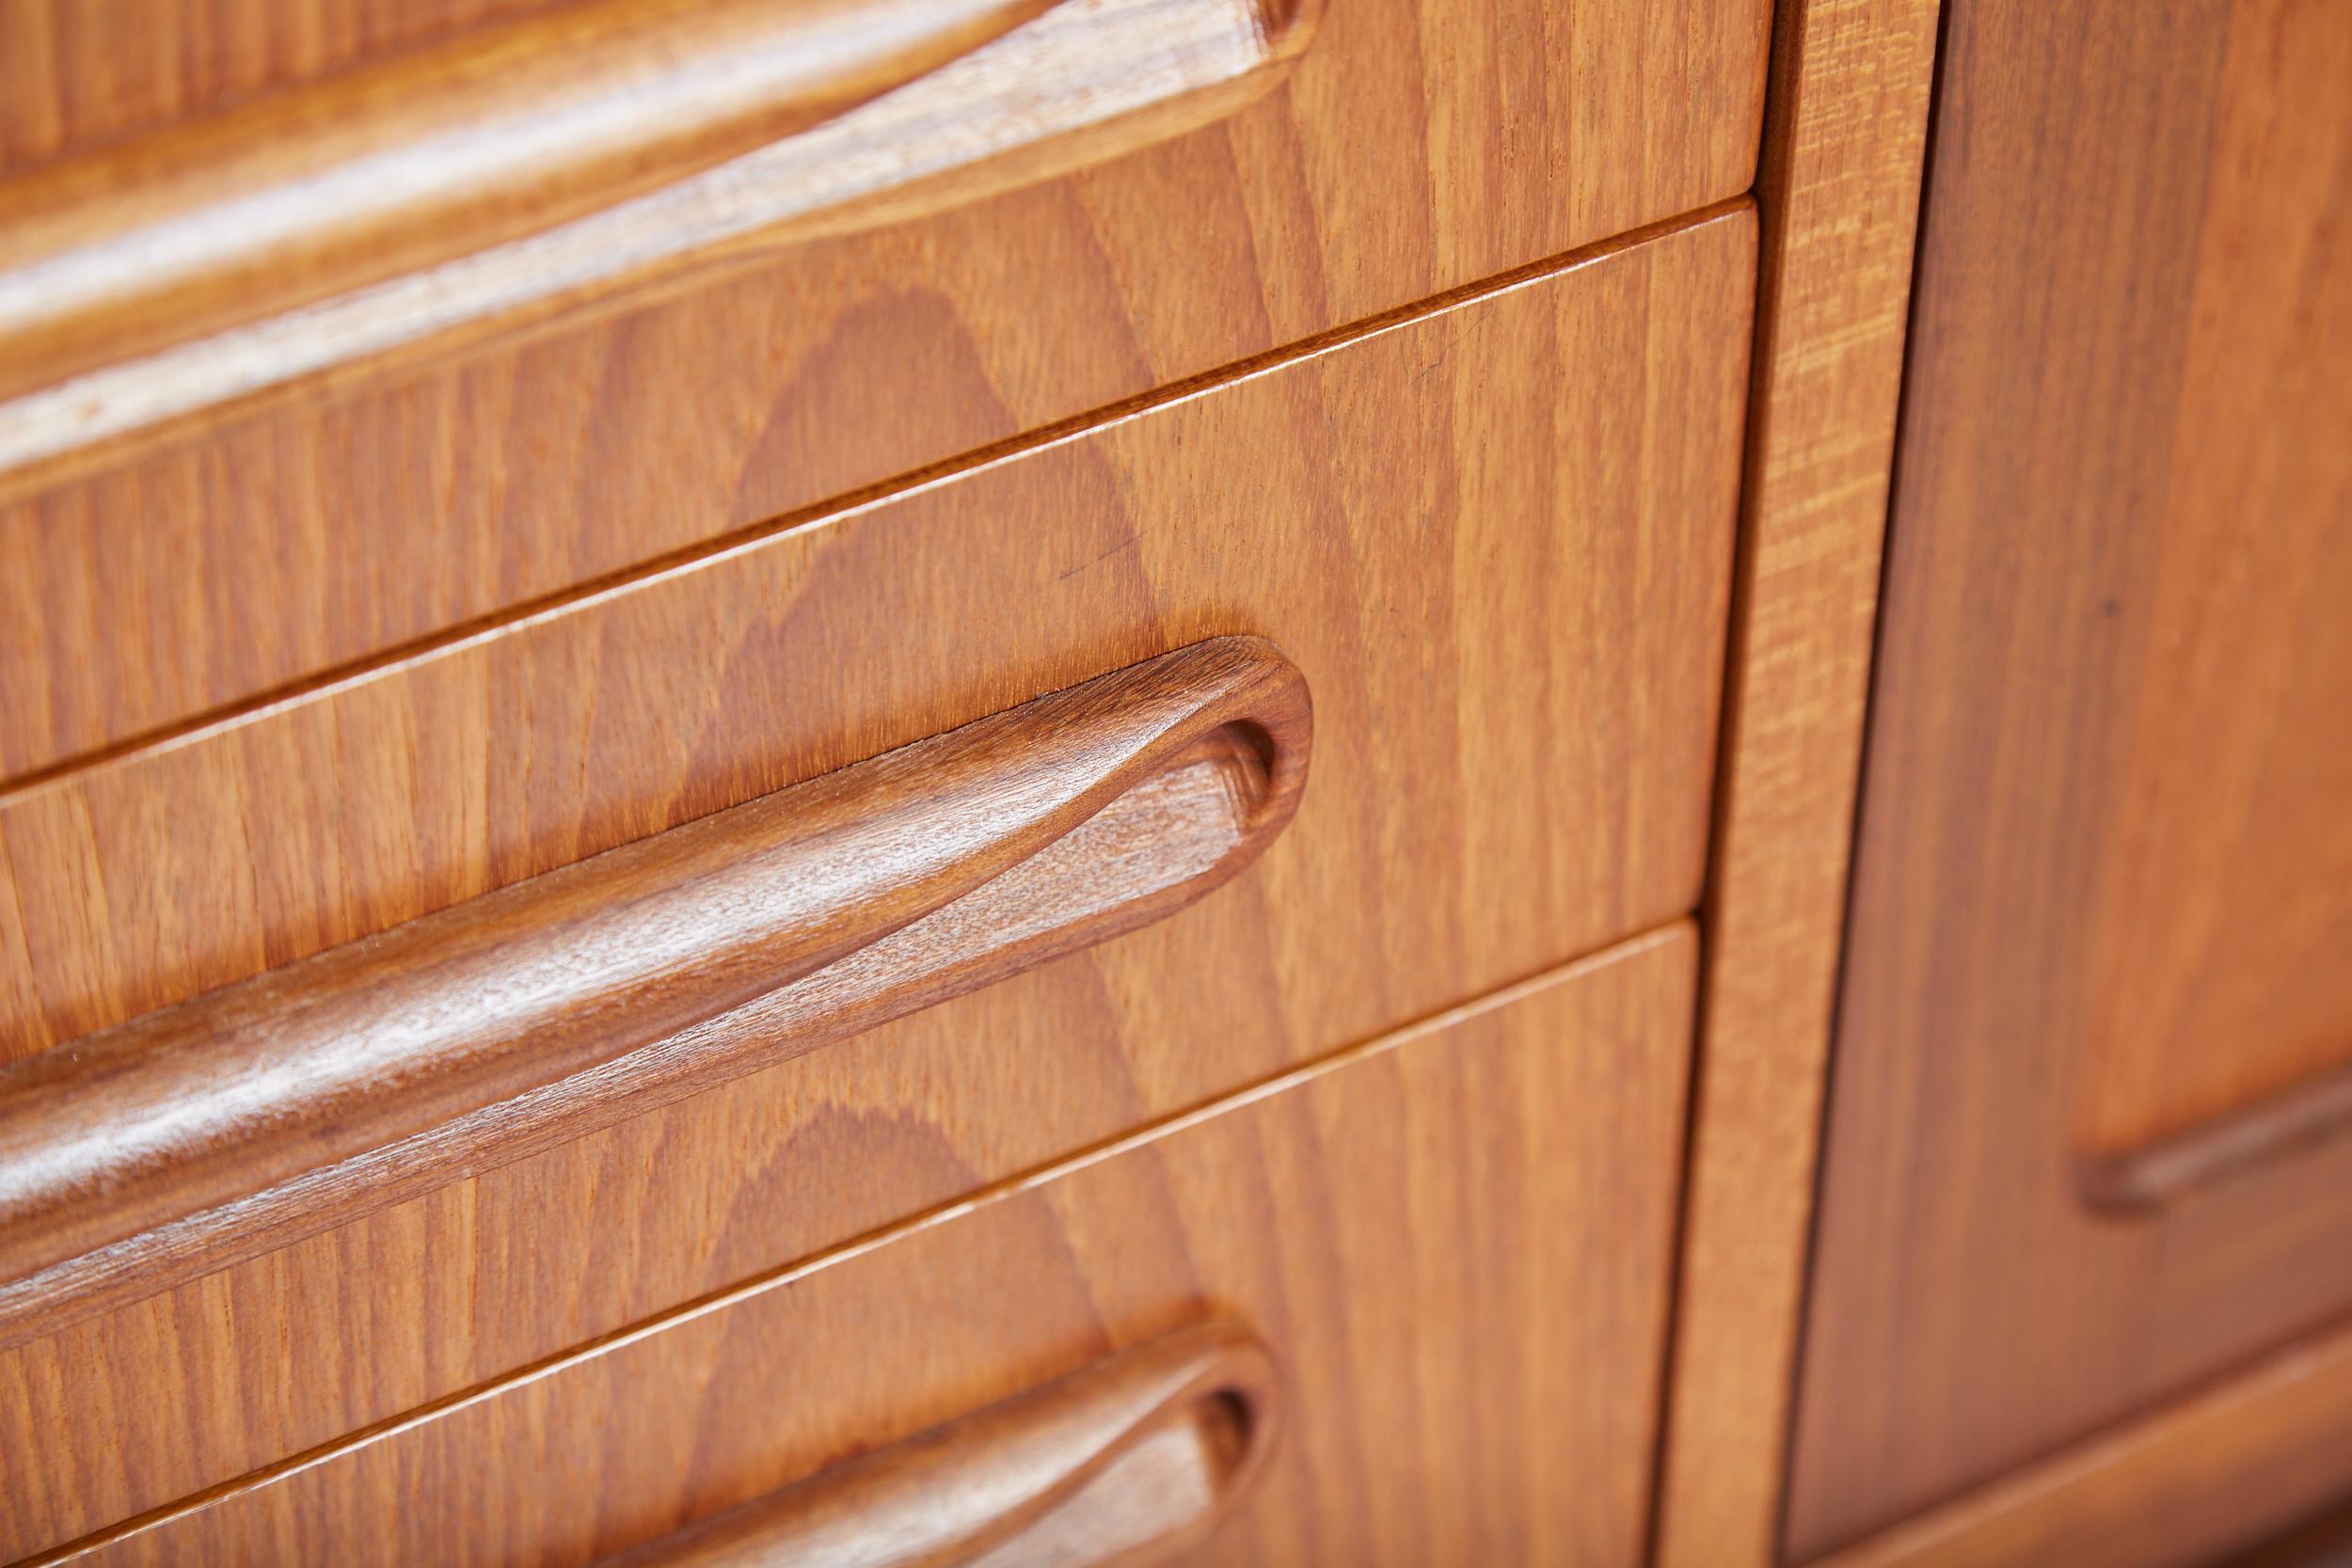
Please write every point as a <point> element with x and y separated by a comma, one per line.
<point>2185,1486</point>
<point>1421,145</point>
<point>2103,889</point>
<point>1517,657</point>
<point>297,195</point>
<point>341,1082</point>
<point>1455,1242</point>
<point>1514,667</point>
<point>1839,204</point>
<point>1122,1462</point>
<point>2221,923</point>
<point>223,269</point>
<point>76,74</point>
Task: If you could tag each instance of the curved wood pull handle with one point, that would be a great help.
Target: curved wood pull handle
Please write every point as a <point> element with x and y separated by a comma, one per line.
<point>536,171</point>
<point>2141,1184</point>
<point>500,132</point>
<point>1126,1461</point>
<point>178,1141</point>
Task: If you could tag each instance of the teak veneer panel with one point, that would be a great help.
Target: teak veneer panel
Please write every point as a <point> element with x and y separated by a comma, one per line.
<point>2221,950</point>
<point>1838,197</point>
<point>302,202</point>
<point>343,1082</point>
<point>76,74</point>
<point>1457,1243</point>
<point>2104,887</point>
<point>1514,668</point>
<point>1517,657</point>
<point>211,273</point>
<point>2181,1487</point>
<point>1420,146</point>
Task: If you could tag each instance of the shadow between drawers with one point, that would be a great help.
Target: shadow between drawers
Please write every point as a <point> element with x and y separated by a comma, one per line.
<point>311,1095</point>
<point>790,1273</point>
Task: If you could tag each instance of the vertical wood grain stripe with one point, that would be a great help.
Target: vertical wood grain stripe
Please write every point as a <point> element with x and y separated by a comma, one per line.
<point>1839,190</point>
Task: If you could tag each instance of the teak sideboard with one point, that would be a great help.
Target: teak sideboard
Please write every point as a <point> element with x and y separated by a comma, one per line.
<point>1096,781</point>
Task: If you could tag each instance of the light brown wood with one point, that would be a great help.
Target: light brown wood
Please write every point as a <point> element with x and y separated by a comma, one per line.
<point>427,155</point>
<point>2181,1488</point>
<point>352,1079</point>
<point>2221,931</point>
<point>2102,893</point>
<point>511,751</point>
<point>1088,80</point>
<point>1419,146</point>
<point>1514,666</point>
<point>1838,194</point>
<point>1457,1242</point>
<point>2288,1123</point>
<point>1133,1458</point>
<point>78,74</point>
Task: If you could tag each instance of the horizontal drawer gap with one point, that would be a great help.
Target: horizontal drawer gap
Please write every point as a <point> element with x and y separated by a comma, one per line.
<point>873,1241</point>
<point>679,563</point>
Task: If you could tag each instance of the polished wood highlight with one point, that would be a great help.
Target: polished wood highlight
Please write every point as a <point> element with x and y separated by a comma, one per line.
<point>2104,884</point>
<point>1514,666</point>
<point>1089,79</point>
<point>1410,587</point>
<point>1418,145</point>
<point>1839,198</point>
<point>429,155</point>
<point>1455,1242</point>
<point>806,915</point>
<point>2183,1487</point>
<point>1138,1454</point>
<point>77,74</point>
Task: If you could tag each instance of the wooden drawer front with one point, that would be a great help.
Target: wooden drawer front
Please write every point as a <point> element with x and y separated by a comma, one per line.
<point>1455,1243</point>
<point>1418,145</point>
<point>1496,540</point>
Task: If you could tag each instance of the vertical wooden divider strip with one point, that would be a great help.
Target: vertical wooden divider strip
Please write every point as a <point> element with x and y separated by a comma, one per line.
<point>1838,189</point>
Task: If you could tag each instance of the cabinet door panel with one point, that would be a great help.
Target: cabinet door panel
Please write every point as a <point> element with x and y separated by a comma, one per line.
<point>2088,1132</point>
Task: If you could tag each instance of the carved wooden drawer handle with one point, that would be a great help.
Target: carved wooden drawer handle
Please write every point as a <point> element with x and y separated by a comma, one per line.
<point>177,1142</point>
<point>535,168</point>
<point>305,193</point>
<point>1129,1459</point>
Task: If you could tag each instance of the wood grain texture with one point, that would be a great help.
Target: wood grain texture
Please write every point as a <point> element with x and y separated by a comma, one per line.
<point>2184,1487</point>
<point>1514,666</point>
<point>1456,1240</point>
<point>2102,884</point>
<point>426,155</point>
<point>1131,1459</point>
<point>78,74</point>
<point>216,292</point>
<point>1839,203</point>
<point>1420,146</point>
<point>348,1080</point>
<point>2221,925</point>
<point>2314,1111</point>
